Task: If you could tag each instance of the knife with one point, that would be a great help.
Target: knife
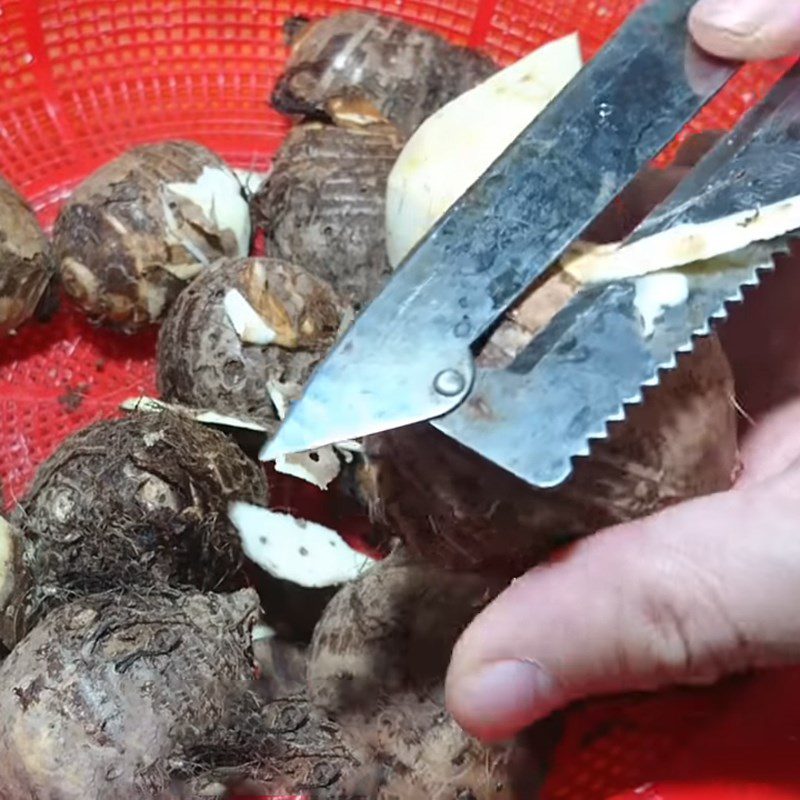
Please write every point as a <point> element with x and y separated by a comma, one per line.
<point>407,358</point>
<point>597,356</point>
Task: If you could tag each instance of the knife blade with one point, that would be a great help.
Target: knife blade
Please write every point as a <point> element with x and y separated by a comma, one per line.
<point>407,358</point>
<point>741,181</point>
<point>748,169</point>
<point>598,355</point>
<point>592,361</point>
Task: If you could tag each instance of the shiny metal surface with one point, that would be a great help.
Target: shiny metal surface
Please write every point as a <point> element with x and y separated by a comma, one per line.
<point>597,356</point>
<point>519,217</point>
<point>593,360</point>
<point>756,165</point>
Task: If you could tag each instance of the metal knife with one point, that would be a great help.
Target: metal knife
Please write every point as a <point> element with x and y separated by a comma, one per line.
<point>592,361</point>
<point>407,358</point>
<point>596,356</point>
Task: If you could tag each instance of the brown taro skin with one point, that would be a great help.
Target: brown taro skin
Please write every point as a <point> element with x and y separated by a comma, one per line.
<point>27,268</point>
<point>323,204</point>
<point>126,245</point>
<point>105,697</point>
<point>353,668</point>
<point>377,665</point>
<point>361,714</point>
<point>202,362</point>
<point>459,511</point>
<point>273,747</point>
<point>138,501</point>
<point>403,71</point>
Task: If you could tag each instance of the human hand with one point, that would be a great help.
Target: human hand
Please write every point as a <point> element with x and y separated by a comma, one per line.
<point>699,591</point>
<point>747,29</point>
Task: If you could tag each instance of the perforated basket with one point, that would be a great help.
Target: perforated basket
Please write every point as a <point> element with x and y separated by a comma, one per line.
<point>82,80</point>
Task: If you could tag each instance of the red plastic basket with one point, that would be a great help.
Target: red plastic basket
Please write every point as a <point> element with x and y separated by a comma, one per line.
<point>83,80</point>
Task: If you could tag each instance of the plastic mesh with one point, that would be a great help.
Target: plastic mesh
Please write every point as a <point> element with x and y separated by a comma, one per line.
<point>82,80</point>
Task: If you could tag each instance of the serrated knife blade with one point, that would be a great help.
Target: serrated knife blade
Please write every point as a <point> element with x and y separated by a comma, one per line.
<point>407,357</point>
<point>598,355</point>
<point>593,360</point>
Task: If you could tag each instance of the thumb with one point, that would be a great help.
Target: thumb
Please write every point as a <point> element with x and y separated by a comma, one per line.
<point>703,589</point>
<point>747,29</point>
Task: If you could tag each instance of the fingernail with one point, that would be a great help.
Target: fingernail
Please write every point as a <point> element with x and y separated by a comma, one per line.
<point>504,697</point>
<point>739,17</point>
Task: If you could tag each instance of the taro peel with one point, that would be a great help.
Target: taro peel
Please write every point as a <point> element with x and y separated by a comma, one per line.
<point>134,233</point>
<point>27,268</point>
<point>207,417</point>
<point>395,71</point>
<point>241,326</point>
<point>683,244</point>
<point>323,204</point>
<point>319,467</point>
<point>139,501</point>
<point>296,550</point>
<point>454,147</point>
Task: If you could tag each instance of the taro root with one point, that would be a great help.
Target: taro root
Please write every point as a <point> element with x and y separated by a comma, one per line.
<point>138,501</point>
<point>27,269</point>
<point>323,205</point>
<point>244,331</point>
<point>372,722</point>
<point>460,511</point>
<point>404,73</point>
<point>280,748</point>
<point>110,692</point>
<point>134,233</point>
<point>377,666</point>
<point>355,666</point>
<point>306,563</point>
<point>153,695</point>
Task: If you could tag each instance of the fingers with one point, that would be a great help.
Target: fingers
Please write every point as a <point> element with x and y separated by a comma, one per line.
<point>703,589</point>
<point>747,29</point>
